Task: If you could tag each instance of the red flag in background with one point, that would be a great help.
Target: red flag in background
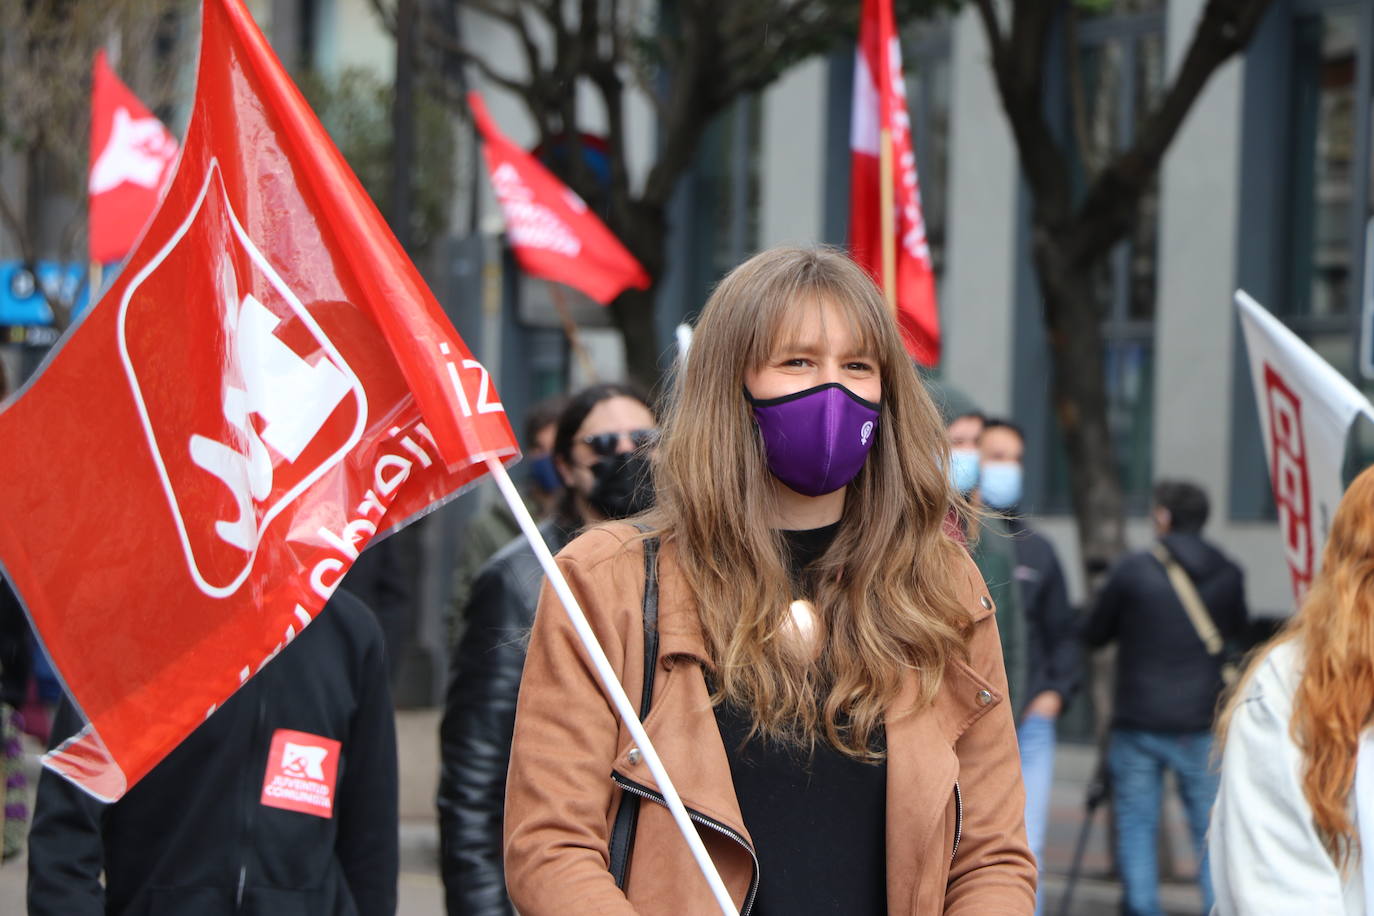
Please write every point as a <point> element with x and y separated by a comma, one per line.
<point>884,191</point>
<point>131,156</point>
<point>553,233</point>
<point>266,386</point>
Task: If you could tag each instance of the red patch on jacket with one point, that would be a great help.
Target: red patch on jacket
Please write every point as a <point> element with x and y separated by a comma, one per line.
<point>302,771</point>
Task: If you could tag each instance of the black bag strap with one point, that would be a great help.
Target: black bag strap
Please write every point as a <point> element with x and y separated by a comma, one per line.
<point>627,816</point>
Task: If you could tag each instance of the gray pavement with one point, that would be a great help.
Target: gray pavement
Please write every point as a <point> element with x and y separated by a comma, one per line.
<point>421,893</point>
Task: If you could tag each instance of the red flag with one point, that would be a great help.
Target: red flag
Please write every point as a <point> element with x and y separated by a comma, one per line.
<point>880,116</point>
<point>131,156</point>
<point>261,391</point>
<point>552,231</point>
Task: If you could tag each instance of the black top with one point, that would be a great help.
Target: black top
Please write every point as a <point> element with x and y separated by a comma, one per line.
<point>1165,679</point>
<point>194,835</point>
<point>817,819</point>
<point>1054,657</point>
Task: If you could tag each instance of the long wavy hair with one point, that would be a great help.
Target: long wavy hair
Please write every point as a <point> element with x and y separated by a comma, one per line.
<point>1334,701</point>
<point>885,592</point>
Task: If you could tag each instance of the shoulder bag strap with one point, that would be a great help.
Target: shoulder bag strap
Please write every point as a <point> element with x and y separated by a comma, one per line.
<point>1192,602</point>
<point>627,816</point>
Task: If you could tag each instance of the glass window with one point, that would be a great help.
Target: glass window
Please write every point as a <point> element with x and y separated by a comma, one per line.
<point>1119,77</point>
<point>1324,115</point>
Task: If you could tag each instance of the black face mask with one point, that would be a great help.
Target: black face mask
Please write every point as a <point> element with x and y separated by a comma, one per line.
<point>624,486</point>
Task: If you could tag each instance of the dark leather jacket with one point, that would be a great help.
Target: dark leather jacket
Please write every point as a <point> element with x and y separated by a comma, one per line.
<point>479,718</point>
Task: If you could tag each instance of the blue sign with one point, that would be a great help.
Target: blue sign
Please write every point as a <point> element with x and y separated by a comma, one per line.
<point>22,299</point>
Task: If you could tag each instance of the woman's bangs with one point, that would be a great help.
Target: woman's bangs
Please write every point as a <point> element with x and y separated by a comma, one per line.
<point>780,326</point>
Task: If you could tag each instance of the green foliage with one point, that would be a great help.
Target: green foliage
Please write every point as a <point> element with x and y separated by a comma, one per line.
<point>355,107</point>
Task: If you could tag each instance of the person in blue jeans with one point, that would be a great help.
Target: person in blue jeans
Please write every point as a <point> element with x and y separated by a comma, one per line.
<point>1053,653</point>
<point>1167,685</point>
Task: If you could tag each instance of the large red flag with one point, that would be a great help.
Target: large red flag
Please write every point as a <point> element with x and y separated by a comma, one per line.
<point>131,156</point>
<point>552,231</point>
<point>266,386</point>
<point>880,118</point>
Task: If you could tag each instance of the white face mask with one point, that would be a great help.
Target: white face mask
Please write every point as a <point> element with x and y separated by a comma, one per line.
<point>963,469</point>
<point>999,484</point>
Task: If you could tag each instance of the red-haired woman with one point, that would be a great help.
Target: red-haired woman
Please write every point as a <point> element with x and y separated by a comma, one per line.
<point>1295,813</point>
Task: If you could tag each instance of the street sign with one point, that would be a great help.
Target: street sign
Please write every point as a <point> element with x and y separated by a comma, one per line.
<point>23,303</point>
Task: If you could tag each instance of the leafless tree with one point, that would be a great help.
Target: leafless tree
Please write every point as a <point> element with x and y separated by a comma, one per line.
<point>1074,227</point>
<point>692,59</point>
<point>46,53</point>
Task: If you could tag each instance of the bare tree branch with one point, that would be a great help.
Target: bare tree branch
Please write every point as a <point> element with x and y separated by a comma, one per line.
<point>992,29</point>
<point>386,14</point>
<point>1224,30</point>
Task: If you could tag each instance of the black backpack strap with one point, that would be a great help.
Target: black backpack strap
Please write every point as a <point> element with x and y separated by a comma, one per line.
<point>627,816</point>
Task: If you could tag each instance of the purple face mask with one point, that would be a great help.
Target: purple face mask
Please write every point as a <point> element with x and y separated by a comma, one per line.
<point>816,440</point>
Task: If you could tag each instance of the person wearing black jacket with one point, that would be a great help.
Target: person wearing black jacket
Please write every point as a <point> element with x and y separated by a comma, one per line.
<point>1053,651</point>
<point>596,454</point>
<point>1167,685</point>
<point>211,830</point>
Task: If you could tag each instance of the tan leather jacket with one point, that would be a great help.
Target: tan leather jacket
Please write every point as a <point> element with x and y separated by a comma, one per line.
<point>955,804</point>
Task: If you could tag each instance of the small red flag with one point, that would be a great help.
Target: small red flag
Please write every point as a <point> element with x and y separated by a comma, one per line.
<point>266,386</point>
<point>131,156</point>
<point>552,231</point>
<point>879,108</point>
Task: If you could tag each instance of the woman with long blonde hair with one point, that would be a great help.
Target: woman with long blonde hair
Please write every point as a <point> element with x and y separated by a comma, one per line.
<point>818,661</point>
<point>1296,804</point>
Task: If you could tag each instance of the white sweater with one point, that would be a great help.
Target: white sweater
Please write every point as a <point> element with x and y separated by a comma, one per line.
<point>1266,857</point>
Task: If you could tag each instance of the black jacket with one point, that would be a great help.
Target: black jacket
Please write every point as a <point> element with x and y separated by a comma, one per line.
<point>479,719</point>
<point>15,662</point>
<point>1165,679</point>
<point>192,837</point>
<point>1053,652</point>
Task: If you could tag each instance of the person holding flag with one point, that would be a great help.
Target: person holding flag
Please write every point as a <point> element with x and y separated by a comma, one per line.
<point>818,660</point>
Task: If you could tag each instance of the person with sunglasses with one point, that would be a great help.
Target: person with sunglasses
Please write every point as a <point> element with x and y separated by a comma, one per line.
<point>599,447</point>
<point>827,688</point>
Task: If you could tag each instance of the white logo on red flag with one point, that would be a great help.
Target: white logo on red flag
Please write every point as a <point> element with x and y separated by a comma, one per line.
<point>552,232</point>
<point>270,437</point>
<point>302,773</point>
<point>131,156</point>
<point>887,230</point>
<point>528,222</point>
<point>138,151</point>
<point>267,385</point>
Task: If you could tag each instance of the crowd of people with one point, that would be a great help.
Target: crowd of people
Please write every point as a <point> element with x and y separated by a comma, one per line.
<point>810,569</point>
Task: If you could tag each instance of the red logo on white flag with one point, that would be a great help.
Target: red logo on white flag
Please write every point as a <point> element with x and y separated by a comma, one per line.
<point>1289,474</point>
<point>552,232</point>
<point>302,773</point>
<point>267,386</point>
<point>880,115</point>
<point>131,156</point>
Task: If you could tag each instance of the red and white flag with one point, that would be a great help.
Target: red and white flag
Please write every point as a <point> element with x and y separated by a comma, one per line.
<point>266,386</point>
<point>879,119</point>
<point>552,231</point>
<point>131,156</point>
<point>1306,409</point>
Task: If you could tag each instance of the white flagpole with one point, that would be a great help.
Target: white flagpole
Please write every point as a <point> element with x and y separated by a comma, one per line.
<point>611,682</point>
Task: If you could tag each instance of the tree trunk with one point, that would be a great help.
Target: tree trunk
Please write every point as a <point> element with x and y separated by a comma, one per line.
<point>643,227</point>
<point>633,311</point>
<point>1079,396</point>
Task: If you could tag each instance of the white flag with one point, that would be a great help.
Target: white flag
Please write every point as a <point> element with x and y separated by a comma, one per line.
<point>1306,408</point>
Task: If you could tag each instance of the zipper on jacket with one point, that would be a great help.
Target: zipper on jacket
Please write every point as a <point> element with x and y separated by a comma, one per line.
<point>259,718</point>
<point>710,823</point>
<point>958,821</point>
